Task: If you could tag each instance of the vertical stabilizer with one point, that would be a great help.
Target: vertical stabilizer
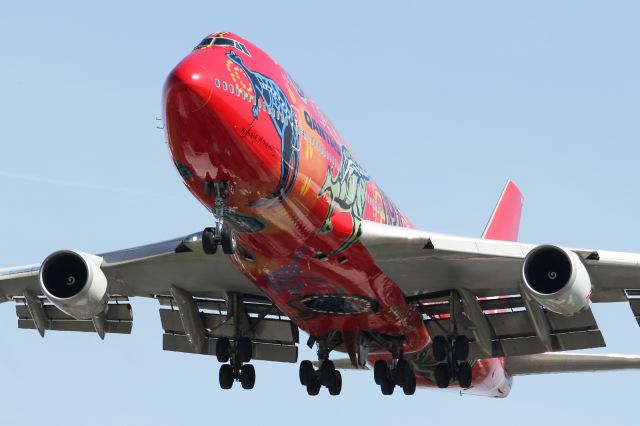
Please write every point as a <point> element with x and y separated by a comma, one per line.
<point>505,220</point>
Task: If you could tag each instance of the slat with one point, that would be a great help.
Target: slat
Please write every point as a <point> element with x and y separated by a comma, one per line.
<point>76,325</point>
<point>267,330</point>
<point>261,351</point>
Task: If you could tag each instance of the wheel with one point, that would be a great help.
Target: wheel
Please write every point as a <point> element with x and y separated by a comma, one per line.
<point>226,376</point>
<point>442,375</point>
<point>228,241</point>
<point>306,372</point>
<point>439,348</point>
<point>223,349</point>
<point>244,349</point>
<point>380,371</point>
<point>387,387</point>
<point>209,243</point>
<point>409,388</point>
<point>336,383</point>
<point>247,376</point>
<point>313,388</point>
<point>326,372</point>
<point>461,348</point>
<point>402,372</point>
<point>464,375</point>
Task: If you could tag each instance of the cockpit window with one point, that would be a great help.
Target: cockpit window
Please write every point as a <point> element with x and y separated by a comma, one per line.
<point>204,43</point>
<point>222,41</point>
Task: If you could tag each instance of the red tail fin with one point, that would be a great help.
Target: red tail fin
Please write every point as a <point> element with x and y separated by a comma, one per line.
<point>505,220</point>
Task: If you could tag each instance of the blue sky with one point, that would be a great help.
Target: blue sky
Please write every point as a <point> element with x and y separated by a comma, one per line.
<point>442,102</point>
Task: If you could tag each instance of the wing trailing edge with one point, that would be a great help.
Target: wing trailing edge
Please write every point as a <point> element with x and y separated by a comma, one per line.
<point>504,223</point>
<point>551,363</point>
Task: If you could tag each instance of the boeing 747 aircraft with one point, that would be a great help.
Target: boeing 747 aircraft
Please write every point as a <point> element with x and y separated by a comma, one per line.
<point>303,238</point>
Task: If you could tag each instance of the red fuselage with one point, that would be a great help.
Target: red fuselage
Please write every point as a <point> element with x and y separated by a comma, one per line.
<point>297,198</point>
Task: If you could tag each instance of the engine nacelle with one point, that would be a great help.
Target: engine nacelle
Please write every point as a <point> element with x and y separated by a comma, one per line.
<point>557,279</point>
<point>74,283</point>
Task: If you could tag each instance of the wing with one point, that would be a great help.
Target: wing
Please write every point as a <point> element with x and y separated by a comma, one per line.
<point>428,266</point>
<point>194,290</point>
<point>150,270</point>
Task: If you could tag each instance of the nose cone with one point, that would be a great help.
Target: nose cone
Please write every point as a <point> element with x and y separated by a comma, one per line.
<point>189,86</point>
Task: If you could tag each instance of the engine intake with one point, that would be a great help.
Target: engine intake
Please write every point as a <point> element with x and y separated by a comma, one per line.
<point>74,283</point>
<point>557,279</point>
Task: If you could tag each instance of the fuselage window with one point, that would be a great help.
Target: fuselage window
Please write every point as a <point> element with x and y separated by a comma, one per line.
<point>231,89</point>
<point>224,86</point>
<point>217,83</point>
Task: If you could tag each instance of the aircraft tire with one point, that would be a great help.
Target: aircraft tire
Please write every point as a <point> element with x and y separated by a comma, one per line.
<point>336,383</point>
<point>410,387</point>
<point>225,376</point>
<point>326,372</point>
<point>244,349</point>
<point>223,349</point>
<point>402,372</point>
<point>387,387</point>
<point>442,375</point>
<point>228,241</point>
<point>439,348</point>
<point>465,377</point>
<point>247,376</point>
<point>461,348</point>
<point>209,243</point>
<point>380,371</point>
<point>306,373</point>
<point>313,388</point>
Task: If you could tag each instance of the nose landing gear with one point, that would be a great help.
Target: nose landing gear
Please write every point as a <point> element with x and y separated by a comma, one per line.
<point>220,234</point>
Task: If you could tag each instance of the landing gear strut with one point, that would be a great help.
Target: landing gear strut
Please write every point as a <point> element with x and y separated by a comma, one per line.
<point>220,234</point>
<point>452,352</point>
<point>326,375</point>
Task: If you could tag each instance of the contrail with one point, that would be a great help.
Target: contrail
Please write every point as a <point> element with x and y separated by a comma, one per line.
<point>80,185</point>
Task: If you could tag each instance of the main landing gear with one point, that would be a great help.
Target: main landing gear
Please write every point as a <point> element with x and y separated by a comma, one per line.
<point>452,352</point>
<point>326,375</point>
<point>220,235</point>
<point>398,373</point>
<point>237,354</point>
<point>237,351</point>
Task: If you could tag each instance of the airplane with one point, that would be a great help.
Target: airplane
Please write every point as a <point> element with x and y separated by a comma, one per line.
<point>302,238</point>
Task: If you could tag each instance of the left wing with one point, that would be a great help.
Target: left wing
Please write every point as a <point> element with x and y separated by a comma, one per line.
<point>429,266</point>
<point>202,298</point>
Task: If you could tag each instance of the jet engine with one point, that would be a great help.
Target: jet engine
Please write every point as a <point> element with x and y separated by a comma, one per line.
<point>74,283</point>
<point>557,279</point>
